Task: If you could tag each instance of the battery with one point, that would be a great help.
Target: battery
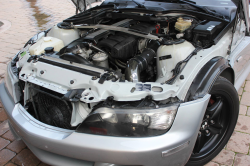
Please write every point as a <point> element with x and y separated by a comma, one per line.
<point>209,30</point>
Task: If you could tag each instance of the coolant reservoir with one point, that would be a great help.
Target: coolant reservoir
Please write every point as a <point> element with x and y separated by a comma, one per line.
<point>66,35</point>
<point>38,48</point>
<point>181,25</point>
<point>168,56</point>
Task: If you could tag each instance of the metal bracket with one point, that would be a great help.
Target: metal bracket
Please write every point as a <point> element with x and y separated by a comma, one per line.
<point>115,28</point>
<point>73,95</point>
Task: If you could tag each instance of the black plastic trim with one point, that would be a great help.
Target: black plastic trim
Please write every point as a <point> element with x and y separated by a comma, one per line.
<point>224,31</point>
<point>206,77</point>
<point>69,67</point>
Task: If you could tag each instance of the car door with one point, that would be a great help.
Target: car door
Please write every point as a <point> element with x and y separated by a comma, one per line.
<point>240,47</point>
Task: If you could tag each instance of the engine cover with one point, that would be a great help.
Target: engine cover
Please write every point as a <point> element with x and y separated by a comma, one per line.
<point>121,46</point>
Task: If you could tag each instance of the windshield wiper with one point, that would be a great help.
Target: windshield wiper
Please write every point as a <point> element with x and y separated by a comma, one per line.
<point>203,8</point>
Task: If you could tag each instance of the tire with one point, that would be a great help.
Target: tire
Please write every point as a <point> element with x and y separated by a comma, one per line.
<point>218,123</point>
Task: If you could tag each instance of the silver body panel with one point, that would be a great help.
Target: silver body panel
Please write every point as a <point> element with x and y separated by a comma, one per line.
<point>57,146</point>
<point>44,139</point>
<point>239,60</point>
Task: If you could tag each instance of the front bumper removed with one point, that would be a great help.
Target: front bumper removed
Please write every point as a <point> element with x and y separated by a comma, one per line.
<point>57,146</point>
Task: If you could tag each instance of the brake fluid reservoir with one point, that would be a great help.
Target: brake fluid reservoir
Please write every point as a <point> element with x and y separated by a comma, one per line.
<point>168,56</point>
<point>181,25</point>
<point>38,47</point>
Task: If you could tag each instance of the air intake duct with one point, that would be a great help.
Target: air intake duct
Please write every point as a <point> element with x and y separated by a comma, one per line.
<point>140,62</point>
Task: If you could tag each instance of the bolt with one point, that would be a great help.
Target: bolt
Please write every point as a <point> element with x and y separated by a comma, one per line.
<point>207,131</point>
<point>41,72</point>
<point>149,97</point>
<point>94,78</point>
<point>181,77</point>
<point>207,116</point>
<point>113,106</point>
<point>212,122</point>
<point>71,81</point>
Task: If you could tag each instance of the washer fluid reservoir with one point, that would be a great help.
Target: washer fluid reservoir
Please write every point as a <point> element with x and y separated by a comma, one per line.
<point>38,47</point>
<point>168,56</point>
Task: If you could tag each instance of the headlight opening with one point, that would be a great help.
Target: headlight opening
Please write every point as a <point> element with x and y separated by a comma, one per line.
<point>129,122</point>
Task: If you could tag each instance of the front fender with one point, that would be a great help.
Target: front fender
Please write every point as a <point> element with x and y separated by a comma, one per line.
<point>206,77</point>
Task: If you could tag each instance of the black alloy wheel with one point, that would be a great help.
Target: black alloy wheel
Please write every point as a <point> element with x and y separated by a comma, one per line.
<point>218,123</point>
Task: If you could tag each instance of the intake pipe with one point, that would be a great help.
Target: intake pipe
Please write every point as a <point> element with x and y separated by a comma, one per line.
<point>140,62</point>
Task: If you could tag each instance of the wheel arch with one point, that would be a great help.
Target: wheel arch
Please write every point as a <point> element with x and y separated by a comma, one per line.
<point>228,73</point>
<point>206,77</point>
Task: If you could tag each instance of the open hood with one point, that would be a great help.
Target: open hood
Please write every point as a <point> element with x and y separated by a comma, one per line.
<point>82,5</point>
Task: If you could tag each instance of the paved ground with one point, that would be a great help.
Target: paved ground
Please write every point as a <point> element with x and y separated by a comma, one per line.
<point>31,16</point>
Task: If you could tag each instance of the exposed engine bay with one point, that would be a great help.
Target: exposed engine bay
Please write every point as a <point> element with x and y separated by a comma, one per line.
<point>130,51</point>
<point>139,56</point>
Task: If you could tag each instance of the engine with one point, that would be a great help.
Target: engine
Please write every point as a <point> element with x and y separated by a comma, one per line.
<point>129,49</point>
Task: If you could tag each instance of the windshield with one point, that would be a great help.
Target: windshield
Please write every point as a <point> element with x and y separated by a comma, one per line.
<point>216,2</point>
<point>83,5</point>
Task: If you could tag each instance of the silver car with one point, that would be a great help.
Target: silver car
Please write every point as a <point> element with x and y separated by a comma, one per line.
<point>150,83</point>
